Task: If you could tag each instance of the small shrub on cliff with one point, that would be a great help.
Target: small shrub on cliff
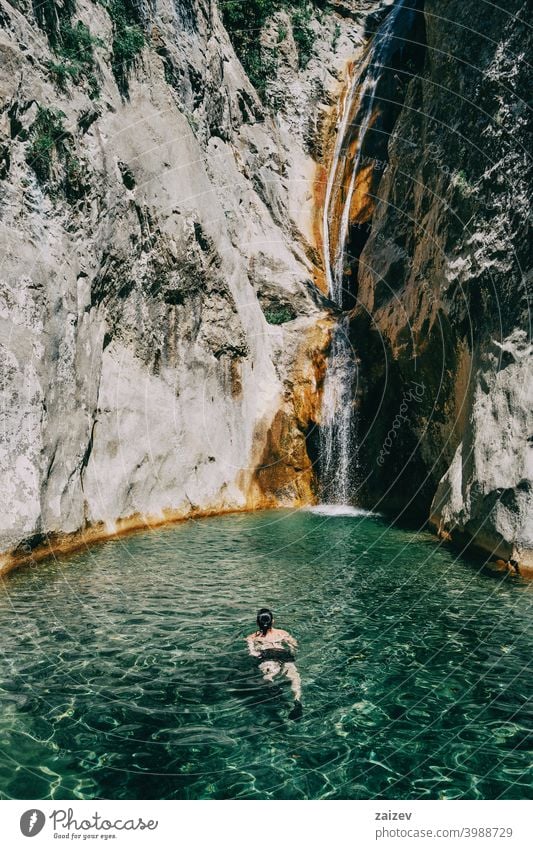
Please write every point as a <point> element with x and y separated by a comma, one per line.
<point>244,22</point>
<point>278,314</point>
<point>304,36</point>
<point>51,152</point>
<point>75,49</point>
<point>128,39</point>
<point>62,73</point>
<point>72,45</point>
<point>50,14</point>
<point>460,180</point>
<point>48,142</point>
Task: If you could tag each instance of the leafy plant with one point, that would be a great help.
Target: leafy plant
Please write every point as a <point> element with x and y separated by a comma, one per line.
<point>50,15</point>
<point>72,44</point>
<point>128,39</point>
<point>244,22</point>
<point>460,180</point>
<point>51,143</point>
<point>61,72</point>
<point>304,36</point>
<point>48,141</point>
<point>74,48</point>
<point>278,314</point>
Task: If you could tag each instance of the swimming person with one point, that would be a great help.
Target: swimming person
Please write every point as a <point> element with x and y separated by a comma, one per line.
<point>275,648</point>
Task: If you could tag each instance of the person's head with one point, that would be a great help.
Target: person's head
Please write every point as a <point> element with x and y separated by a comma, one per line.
<point>265,618</point>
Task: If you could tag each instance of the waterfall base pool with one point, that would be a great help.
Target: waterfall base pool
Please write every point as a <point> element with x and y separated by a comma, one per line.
<point>125,673</point>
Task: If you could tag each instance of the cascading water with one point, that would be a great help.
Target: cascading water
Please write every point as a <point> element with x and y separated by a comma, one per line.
<point>338,428</point>
<point>338,454</point>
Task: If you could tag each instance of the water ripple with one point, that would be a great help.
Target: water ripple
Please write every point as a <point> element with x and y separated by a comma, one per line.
<point>125,671</point>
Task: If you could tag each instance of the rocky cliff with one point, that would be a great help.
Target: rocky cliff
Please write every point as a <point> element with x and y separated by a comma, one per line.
<point>163,320</point>
<point>162,333</point>
<point>441,265</point>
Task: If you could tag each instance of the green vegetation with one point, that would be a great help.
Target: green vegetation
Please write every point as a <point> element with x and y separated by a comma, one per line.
<point>244,22</point>
<point>303,34</point>
<point>128,39</point>
<point>461,182</point>
<point>49,140</point>
<point>279,314</point>
<point>73,45</point>
<point>74,48</point>
<point>51,144</point>
<point>50,15</point>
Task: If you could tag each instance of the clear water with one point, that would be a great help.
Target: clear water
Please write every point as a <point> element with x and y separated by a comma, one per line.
<point>125,674</point>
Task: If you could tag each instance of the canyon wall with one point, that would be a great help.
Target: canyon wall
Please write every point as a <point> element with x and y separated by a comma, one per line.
<point>162,331</point>
<point>164,324</point>
<point>442,323</point>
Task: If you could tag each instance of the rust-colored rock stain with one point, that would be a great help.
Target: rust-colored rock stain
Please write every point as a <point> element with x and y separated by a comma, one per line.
<point>285,474</point>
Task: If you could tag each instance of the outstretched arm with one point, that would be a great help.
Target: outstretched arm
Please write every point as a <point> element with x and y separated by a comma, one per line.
<point>251,647</point>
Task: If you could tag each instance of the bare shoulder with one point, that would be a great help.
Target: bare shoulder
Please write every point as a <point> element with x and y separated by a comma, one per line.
<point>250,637</point>
<point>281,633</point>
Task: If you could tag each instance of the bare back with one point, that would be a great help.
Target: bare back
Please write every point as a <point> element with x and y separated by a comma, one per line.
<point>275,639</point>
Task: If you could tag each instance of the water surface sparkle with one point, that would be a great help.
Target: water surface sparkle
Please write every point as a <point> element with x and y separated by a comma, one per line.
<point>125,673</point>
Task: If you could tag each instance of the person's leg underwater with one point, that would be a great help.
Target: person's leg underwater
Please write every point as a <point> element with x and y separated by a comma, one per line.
<point>290,671</point>
<point>269,668</point>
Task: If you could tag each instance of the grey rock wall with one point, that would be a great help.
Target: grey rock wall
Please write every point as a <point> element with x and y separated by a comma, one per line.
<point>140,376</point>
<point>444,288</point>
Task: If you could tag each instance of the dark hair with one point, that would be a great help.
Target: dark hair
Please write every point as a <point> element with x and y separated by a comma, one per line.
<point>264,620</point>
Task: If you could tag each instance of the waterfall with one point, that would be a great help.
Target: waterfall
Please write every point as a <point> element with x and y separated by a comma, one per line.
<point>338,426</point>
<point>338,455</point>
<point>341,131</point>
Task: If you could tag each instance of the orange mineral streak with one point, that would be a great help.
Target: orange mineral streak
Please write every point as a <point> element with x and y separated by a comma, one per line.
<point>319,199</point>
<point>59,545</point>
<point>284,475</point>
<point>328,131</point>
<point>362,203</point>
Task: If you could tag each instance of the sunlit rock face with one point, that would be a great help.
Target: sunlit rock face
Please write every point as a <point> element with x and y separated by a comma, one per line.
<point>163,327</point>
<point>442,310</point>
<point>162,332</point>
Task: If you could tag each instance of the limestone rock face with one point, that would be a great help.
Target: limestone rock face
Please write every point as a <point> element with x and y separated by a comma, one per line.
<point>159,314</point>
<point>442,295</point>
<point>163,325</point>
<point>486,492</point>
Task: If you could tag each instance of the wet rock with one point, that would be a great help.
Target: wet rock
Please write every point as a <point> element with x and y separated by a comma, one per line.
<point>442,291</point>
